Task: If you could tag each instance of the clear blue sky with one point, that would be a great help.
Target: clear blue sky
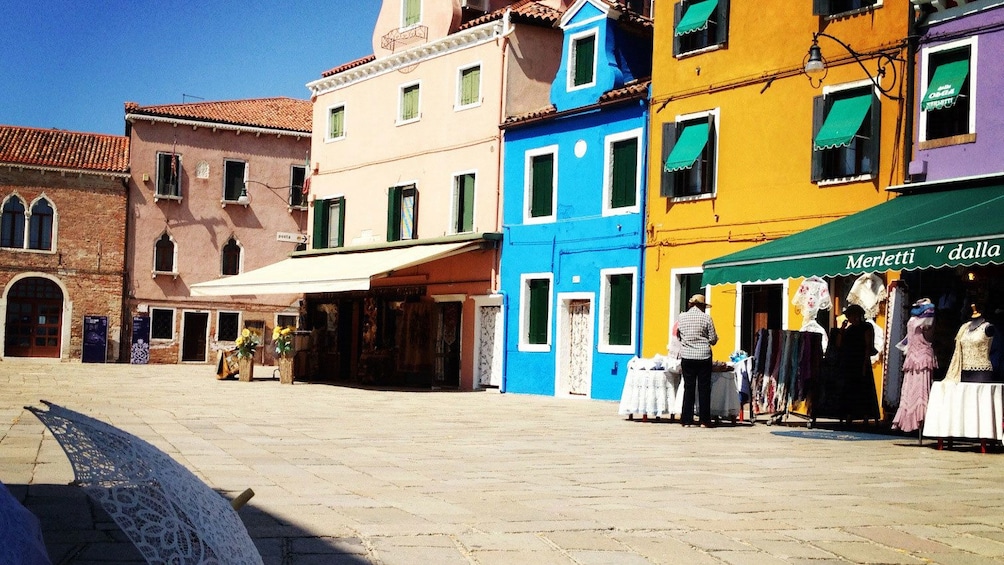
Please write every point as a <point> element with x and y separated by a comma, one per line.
<point>72,64</point>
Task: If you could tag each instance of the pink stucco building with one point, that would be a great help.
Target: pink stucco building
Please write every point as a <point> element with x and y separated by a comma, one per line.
<point>215,190</point>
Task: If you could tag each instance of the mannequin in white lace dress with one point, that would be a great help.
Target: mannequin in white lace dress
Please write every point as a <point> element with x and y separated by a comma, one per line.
<point>971,360</point>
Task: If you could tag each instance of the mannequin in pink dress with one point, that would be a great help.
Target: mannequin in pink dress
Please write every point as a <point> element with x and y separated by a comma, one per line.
<point>918,366</point>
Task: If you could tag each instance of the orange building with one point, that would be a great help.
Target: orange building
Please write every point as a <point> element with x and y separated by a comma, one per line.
<point>747,149</point>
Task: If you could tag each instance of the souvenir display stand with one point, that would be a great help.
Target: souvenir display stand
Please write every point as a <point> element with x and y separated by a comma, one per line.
<point>651,389</point>
<point>965,411</point>
<point>785,363</point>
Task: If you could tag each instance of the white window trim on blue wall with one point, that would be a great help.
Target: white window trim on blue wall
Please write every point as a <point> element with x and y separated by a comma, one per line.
<point>604,345</point>
<point>524,313</point>
<point>972,43</point>
<point>608,172</point>
<point>527,181</point>
<point>570,71</point>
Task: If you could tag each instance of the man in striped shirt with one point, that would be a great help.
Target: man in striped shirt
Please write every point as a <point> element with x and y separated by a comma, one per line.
<point>697,334</point>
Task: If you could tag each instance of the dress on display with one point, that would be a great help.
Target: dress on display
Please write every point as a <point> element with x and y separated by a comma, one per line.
<point>971,360</point>
<point>918,367</point>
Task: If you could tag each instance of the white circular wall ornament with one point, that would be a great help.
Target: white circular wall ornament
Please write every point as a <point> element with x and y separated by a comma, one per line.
<point>580,148</point>
<point>202,170</point>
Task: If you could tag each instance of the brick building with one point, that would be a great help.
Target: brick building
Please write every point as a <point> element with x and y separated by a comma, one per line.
<point>62,243</point>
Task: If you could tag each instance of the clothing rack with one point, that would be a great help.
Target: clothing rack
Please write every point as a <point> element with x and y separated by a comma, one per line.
<point>786,365</point>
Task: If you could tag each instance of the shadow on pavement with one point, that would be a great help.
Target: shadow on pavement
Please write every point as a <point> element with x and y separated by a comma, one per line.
<point>78,531</point>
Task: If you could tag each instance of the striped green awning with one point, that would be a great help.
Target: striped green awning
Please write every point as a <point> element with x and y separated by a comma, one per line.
<point>696,17</point>
<point>949,228</point>
<point>843,122</point>
<point>946,85</point>
<point>688,147</point>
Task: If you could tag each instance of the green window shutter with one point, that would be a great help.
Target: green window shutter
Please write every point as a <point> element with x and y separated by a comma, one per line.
<point>394,213</point>
<point>624,173</point>
<point>541,185</point>
<point>470,82</point>
<point>335,231</point>
<point>320,239</point>
<point>668,142</point>
<point>619,323</point>
<point>336,122</point>
<point>538,322</point>
<point>876,128</point>
<point>412,12</point>
<point>585,51</point>
<point>820,7</point>
<point>465,203</point>
<point>677,16</point>
<point>409,103</point>
<point>722,27</point>
<point>818,113</point>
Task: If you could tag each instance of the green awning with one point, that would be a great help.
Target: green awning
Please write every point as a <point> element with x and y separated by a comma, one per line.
<point>688,147</point>
<point>843,122</point>
<point>946,85</point>
<point>950,228</point>
<point>696,17</point>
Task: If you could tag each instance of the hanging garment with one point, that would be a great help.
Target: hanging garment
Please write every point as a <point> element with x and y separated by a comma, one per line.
<point>812,296</point>
<point>897,315</point>
<point>918,365</point>
<point>972,350</point>
<point>868,291</point>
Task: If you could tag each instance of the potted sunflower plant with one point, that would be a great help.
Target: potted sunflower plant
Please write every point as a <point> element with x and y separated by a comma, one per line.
<point>282,338</point>
<point>247,344</point>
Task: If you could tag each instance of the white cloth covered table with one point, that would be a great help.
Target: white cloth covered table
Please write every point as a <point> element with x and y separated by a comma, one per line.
<point>965,410</point>
<point>649,391</point>
<point>724,396</point>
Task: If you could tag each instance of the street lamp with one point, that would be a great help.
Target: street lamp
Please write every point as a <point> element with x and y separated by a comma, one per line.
<point>244,199</point>
<point>815,65</point>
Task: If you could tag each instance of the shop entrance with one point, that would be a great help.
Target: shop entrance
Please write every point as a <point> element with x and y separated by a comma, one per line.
<point>448,345</point>
<point>761,309</point>
<point>194,336</point>
<point>33,319</point>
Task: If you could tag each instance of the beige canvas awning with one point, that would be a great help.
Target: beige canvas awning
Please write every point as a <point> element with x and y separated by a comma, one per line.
<point>336,272</point>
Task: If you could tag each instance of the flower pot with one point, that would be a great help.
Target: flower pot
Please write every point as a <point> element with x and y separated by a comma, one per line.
<point>286,370</point>
<point>246,369</point>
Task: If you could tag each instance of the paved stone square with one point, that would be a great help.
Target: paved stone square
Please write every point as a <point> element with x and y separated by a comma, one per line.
<point>353,476</point>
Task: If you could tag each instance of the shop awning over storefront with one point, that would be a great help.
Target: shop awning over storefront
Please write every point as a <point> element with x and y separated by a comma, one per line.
<point>696,17</point>
<point>946,85</point>
<point>688,147</point>
<point>335,272</point>
<point>842,122</point>
<point>961,227</point>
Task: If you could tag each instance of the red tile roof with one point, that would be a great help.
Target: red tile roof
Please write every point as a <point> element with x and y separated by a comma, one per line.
<point>526,11</point>
<point>274,113</point>
<point>64,149</point>
<point>634,90</point>
<point>349,65</point>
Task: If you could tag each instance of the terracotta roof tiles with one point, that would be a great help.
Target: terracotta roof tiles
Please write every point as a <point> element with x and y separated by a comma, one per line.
<point>273,113</point>
<point>527,11</point>
<point>62,149</point>
<point>349,65</point>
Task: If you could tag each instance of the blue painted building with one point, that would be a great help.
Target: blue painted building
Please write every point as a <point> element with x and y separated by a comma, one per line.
<point>573,212</point>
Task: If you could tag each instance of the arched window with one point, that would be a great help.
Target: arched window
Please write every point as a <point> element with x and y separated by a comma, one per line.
<point>231,257</point>
<point>163,255</point>
<point>12,228</point>
<point>40,226</point>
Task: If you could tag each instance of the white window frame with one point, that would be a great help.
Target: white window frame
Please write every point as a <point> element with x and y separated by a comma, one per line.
<point>604,313</point>
<point>458,103</point>
<point>181,348</point>
<point>55,226</point>
<point>972,43</point>
<point>838,15</point>
<point>240,259</point>
<point>454,201</point>
<point>608,169</point>
<point>404,7</point>
<point>524,312</point>
<point>174,259</point>
<point>570,71</point>
<point>306,174</point>
<point>717,122</point>
<point>289,314</point>
<point>327,122</point>
<point>400,103</point>
<point>247,175</point>
<point>528,185</point>
<point>240,323</point>
<point>156,184</point>
<point>829,91</point>
<point>174,322</point>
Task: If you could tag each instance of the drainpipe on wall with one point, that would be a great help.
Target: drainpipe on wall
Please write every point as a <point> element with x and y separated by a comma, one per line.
<point>911,68</point>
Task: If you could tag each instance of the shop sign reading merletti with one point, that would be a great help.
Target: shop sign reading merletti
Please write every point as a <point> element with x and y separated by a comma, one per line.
<point>291,237</point>
<point>922,256</point>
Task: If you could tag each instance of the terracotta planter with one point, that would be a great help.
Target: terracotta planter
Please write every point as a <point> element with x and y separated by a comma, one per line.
<point>286,370</point>
<point>246,369</point>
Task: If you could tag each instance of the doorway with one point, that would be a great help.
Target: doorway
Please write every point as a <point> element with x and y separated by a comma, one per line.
<point>575,345</point>
<point>33,318</point>
<point>194,337</point>
<point>491,339</point>
<point>761,309</point>
<point>448,345</point>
